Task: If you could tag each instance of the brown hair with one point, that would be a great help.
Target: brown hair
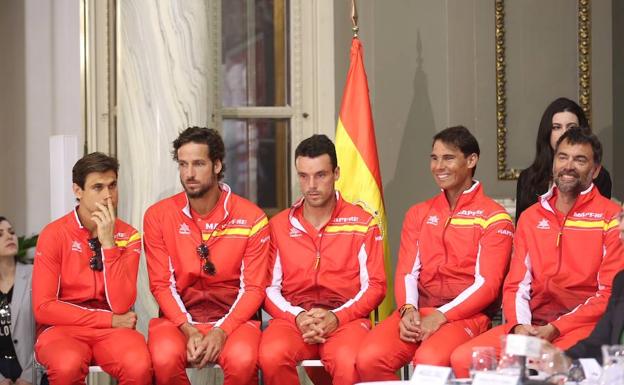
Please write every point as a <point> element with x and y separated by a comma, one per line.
<point>93,162</point>
<point>202,135</point>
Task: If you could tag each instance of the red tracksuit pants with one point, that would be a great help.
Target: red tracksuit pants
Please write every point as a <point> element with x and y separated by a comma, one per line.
<point>282,347</point>
<point>461,358</point>
<point>67,352</point>
<point>238,359</point>
<point>383,352</point>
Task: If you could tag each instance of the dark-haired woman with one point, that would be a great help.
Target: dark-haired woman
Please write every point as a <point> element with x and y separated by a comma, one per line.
<point>16,320</point>
<point>561,115</point>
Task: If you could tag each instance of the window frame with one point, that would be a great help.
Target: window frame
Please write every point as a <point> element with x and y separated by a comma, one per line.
<point>311,108</point>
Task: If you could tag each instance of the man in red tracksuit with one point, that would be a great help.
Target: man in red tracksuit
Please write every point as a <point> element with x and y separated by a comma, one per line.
<point>207,254</point>
<point>454,253</point>
<point>327,274</point>
<point>84,285</point>
<point>566,253</point>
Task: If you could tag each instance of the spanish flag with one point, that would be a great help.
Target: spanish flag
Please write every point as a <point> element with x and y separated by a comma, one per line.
<point>356,148</point>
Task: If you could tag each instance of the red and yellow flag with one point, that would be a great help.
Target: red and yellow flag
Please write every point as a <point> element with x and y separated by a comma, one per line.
<point>356,148</point>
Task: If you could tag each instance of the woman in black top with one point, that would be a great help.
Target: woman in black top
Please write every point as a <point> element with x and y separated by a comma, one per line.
<point>561,115</point>
<point>16,328</point>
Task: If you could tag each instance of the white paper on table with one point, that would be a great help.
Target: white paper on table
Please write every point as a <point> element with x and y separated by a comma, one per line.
<point>430,375</point>
<point>494,378</point>
<point>591,368</point>
<point>612,375</point>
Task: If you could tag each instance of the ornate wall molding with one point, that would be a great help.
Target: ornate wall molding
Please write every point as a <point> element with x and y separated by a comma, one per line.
<point>584,78</point>
<point>584,56</point>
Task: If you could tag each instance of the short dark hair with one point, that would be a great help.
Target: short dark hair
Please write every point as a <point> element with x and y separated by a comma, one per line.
<point>202,135</point>
<point>460,137</point>
<point>317,145</point>
<point>93,162</point>
<point>582,135</point>
<point>3,218</point>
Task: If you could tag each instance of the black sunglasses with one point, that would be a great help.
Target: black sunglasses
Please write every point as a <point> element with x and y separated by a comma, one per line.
<point>95,263</point>
<point>204,254</point>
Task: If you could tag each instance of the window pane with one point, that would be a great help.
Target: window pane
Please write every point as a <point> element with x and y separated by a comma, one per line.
<point>255,59</point>
<point>256,160</point>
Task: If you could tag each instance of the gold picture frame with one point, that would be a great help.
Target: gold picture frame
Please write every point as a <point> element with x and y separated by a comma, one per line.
<point>584,79</point>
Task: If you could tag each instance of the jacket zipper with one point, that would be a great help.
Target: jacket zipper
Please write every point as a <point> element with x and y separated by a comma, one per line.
<point>317,260</point>
<point>446,223</point>
<point>560,244</point>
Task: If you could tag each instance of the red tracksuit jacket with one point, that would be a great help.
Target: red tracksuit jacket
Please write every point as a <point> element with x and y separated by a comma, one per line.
<point>454,261</point>
<point>65,289</point>
<point>562,267</point>
<point>339,268</point>
<point>237,235</point>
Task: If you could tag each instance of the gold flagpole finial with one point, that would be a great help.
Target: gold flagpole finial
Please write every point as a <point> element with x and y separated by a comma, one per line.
<point>354,19</point>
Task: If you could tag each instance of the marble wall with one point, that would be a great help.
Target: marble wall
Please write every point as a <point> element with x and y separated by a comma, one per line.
<point>163,87</point>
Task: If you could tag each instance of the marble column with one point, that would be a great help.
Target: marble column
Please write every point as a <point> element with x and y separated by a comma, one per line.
<point>164,86</point>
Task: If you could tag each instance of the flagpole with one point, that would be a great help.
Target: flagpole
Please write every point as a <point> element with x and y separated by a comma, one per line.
<point>354,19</point>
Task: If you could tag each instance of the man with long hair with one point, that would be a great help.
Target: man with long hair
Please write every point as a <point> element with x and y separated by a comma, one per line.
<point>206,251</point>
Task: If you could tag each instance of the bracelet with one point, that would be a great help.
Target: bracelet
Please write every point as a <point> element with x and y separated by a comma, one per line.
<point>405,308</point>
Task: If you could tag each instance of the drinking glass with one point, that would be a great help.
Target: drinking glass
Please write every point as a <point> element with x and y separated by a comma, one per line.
<point>483,359</point>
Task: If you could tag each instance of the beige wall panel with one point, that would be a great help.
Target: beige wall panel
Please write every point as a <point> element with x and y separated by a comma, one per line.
<point>602,83</point>
<point>541,52</point>
<point>12,114</point>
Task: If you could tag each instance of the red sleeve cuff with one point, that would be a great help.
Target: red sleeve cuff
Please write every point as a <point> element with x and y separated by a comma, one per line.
<point>343,317</point>
<point>561,326</point>
<point>226,327</point>
<point>179,320</point>
<point>105,319</point>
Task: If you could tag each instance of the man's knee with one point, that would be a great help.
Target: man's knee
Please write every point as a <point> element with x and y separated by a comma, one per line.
<point>460,360</point>
<point>69,368</point>
<point>272,352</point>
<point>242,359</point>
<point>429,355</point>
<point>136,364</point>
<point>342,371</point>
<point>165,350</point>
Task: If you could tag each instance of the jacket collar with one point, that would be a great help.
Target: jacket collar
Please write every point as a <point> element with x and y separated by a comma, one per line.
<point>298,205</point>
<point>224,201</point>
<point>585,196</point>
<point>76,219</point>
<point>466,196</point>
